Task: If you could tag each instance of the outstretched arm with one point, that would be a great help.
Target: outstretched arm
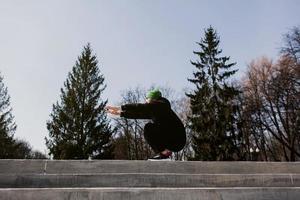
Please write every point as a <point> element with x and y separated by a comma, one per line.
<point>138,110</point>
<point>144,110</point>
<point>130,111</point>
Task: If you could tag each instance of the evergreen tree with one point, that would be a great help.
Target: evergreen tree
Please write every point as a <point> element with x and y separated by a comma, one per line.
<point>7,124</point>
<point>213,111</point>
<point>78,126</point>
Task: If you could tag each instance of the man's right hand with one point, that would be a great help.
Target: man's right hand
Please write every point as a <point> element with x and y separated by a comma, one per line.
<point>114,110</point>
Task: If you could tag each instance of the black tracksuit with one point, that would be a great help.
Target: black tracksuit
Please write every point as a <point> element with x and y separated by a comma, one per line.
<point>166,131</point>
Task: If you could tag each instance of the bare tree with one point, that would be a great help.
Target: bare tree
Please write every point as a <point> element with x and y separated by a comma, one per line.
<point>292,44</point>
<point>182,107</point>
<point>272,100</point>
<point>129,140</point>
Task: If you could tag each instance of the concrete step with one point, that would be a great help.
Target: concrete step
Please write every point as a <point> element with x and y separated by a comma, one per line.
<point>148,180</point>
<point>106,179</point>
<point>118,166</point>
<point>270,193</point>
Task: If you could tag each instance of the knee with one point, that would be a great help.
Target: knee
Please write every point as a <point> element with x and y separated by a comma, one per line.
<point>149,130</point>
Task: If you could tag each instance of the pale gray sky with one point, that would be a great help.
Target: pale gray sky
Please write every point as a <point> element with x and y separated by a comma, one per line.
<point>137,42</point>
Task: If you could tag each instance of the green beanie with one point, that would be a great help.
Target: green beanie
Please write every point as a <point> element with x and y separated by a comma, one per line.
<point>153,94</point>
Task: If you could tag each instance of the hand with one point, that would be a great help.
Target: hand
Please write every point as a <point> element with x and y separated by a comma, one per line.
<point>113,110</point>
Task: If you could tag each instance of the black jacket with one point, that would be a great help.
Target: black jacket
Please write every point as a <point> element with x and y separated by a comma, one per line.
<point>158,110</point>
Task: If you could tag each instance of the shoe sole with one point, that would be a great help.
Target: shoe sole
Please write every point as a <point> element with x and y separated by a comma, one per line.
<point>159,160</point>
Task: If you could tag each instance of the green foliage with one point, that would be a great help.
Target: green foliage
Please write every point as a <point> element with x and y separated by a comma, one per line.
<point>11,148</point>
<point>79,128</point>
<point>7,124</point>
<point>23,150</point>
<point>212,102</point>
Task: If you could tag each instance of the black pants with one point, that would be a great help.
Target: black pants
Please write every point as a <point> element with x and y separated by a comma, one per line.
<point>160,138</point>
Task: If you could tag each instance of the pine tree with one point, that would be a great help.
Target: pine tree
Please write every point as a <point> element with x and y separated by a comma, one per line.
<point>78,126</point>
<point>7,123</point>
<point>212,120</point>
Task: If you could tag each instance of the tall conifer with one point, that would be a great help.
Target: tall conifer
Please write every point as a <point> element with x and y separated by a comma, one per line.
<point>212,102</point>
<point>78,126</point>
<point>7,124</point>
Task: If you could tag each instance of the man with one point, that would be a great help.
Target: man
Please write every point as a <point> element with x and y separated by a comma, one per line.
<point>166,133</point>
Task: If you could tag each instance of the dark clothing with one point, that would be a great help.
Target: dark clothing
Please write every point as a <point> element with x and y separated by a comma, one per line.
<point>166,131</point>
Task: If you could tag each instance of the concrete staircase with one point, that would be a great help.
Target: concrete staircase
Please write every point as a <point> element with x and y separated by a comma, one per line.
<point>70,179</point>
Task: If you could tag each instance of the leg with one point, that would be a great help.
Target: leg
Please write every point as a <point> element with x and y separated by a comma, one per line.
<point>153,137</point>
<point>174,138</point>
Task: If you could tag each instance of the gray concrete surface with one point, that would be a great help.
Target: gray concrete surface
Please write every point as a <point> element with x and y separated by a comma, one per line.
<point>117,166</point>
<point>148,180</point>
<point>151,194</point>
<point>91,180</point>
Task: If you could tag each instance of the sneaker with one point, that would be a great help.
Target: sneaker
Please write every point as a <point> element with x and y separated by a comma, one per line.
<point>160,157</point>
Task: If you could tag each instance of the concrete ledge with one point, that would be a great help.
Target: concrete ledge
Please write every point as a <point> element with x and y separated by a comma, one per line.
<point>118,166</point>
<point>152,193</point>
<point>148,180</point>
